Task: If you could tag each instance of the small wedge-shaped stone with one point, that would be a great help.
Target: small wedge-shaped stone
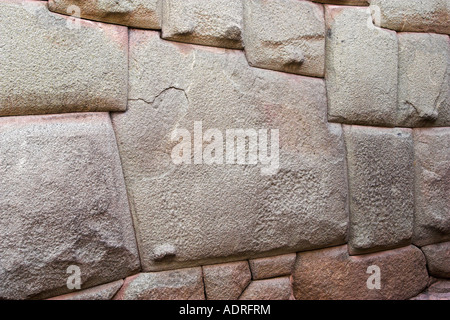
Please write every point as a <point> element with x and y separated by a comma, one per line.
<point>103,292</point>
<point>182,284</point>
<point>331,274</point>
<point>381,180</point>
<point>63,206</point>
<point>285,35</point>
<point>212,23</point>
<point>53,64</point>
<point>200,212</point>
<point>424,80</point>
<point>361,73</point>
<point>133,13</point>
<point>269,289</point>
<point>226,281</point>
<point>271,267</point>
<point>432,180</point>
<point>412,15</point>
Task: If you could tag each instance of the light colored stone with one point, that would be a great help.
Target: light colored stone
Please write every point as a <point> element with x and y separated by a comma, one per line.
<point>381,181</point>
<point>331,274</point>
<point>361,68</point>
<point>103,292</point>
<point>269,289</point>
<point>272,267</point>
<point>438,259</point>
<point>212,23</point>
<point>285,35</point>
<point>226,281</point>
<point>424,80</point>
<point>50,64</point>
<point>413,15</point>
<point>209,214</point>
<point>432,181</point>
<point>182,284</point>
<point>145,14</point>
<point>63,202</point>
<point>439,290</point>
<point>345,2</point>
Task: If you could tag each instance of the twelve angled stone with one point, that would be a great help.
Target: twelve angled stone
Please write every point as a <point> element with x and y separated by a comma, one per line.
<point>63,203</point>
<point>134,13</point>
<point>331,274</point>
<point>209,212</point>
<point>381,181</point>
<point>361,73</point>
<point>212,23</point>
<point>424,80</point>
<point>432,180</point>
<point>413,15</point>
<point>285,35</point>
<point>51,64</point>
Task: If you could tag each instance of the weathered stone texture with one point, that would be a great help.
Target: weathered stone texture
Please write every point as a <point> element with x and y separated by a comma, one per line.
<point>103,292</point>
<point>361,68</point>
<point>432,180</point>
<point>226,281</point>
<point>134,13</point>
<point>438,259</point>
<point>50,64</point>
<point>424,80</point>
<point>182,284</point>
<point>381,182</point>
<point>439,290</point>
<point>272,267</point>
<point>285,35</point>
<point>187,208</point>
<point>331,274</point>
<point>213,23</point>
<point>345,2</point>
<point>413,15</point>
<point>63,202</point>
<point>270,289</point>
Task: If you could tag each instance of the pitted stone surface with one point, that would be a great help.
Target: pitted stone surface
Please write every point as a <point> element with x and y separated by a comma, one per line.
<point>187,207</point>
<point>331,274</point>
<point>63,202</point>
<point>269,289</point>
<point>50,64</point>
<point>345,2</point>
<point>432,180</point>
<point>213,23</point>
<point>285,35</point>
<point>134,13</point>
<point>424,80</point>
<point>226,281</point>
<point>414,15</point>
<point>182,284</point>
<point>272,267</point>
<point>381,181</point>
<point>103,292</point>
<point>438,259</point>
<point>361,70</point>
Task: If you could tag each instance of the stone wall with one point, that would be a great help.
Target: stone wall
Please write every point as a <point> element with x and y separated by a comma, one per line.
<point>116,177</point>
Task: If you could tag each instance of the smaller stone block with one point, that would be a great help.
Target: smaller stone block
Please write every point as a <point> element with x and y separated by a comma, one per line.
<point>438,259</point>
<point>272,267</point>
<point>269,289</point>
<point>103,292</point>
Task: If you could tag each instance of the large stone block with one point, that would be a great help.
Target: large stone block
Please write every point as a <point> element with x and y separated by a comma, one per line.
<point>206,212</point>
<point>285,35</point>
<point>63,202</point>
<point>424,80</point>
<point>413,15</point>
<point>212,23</point>
<point>438,259</point>
<point>432,180</point>
<point>226,281</point>
<point>134,13</point>
<point>361,68</point>
<point>381,181</point>
<point>331,274</point>
<point>182,284</point>
<point>51,64</point>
